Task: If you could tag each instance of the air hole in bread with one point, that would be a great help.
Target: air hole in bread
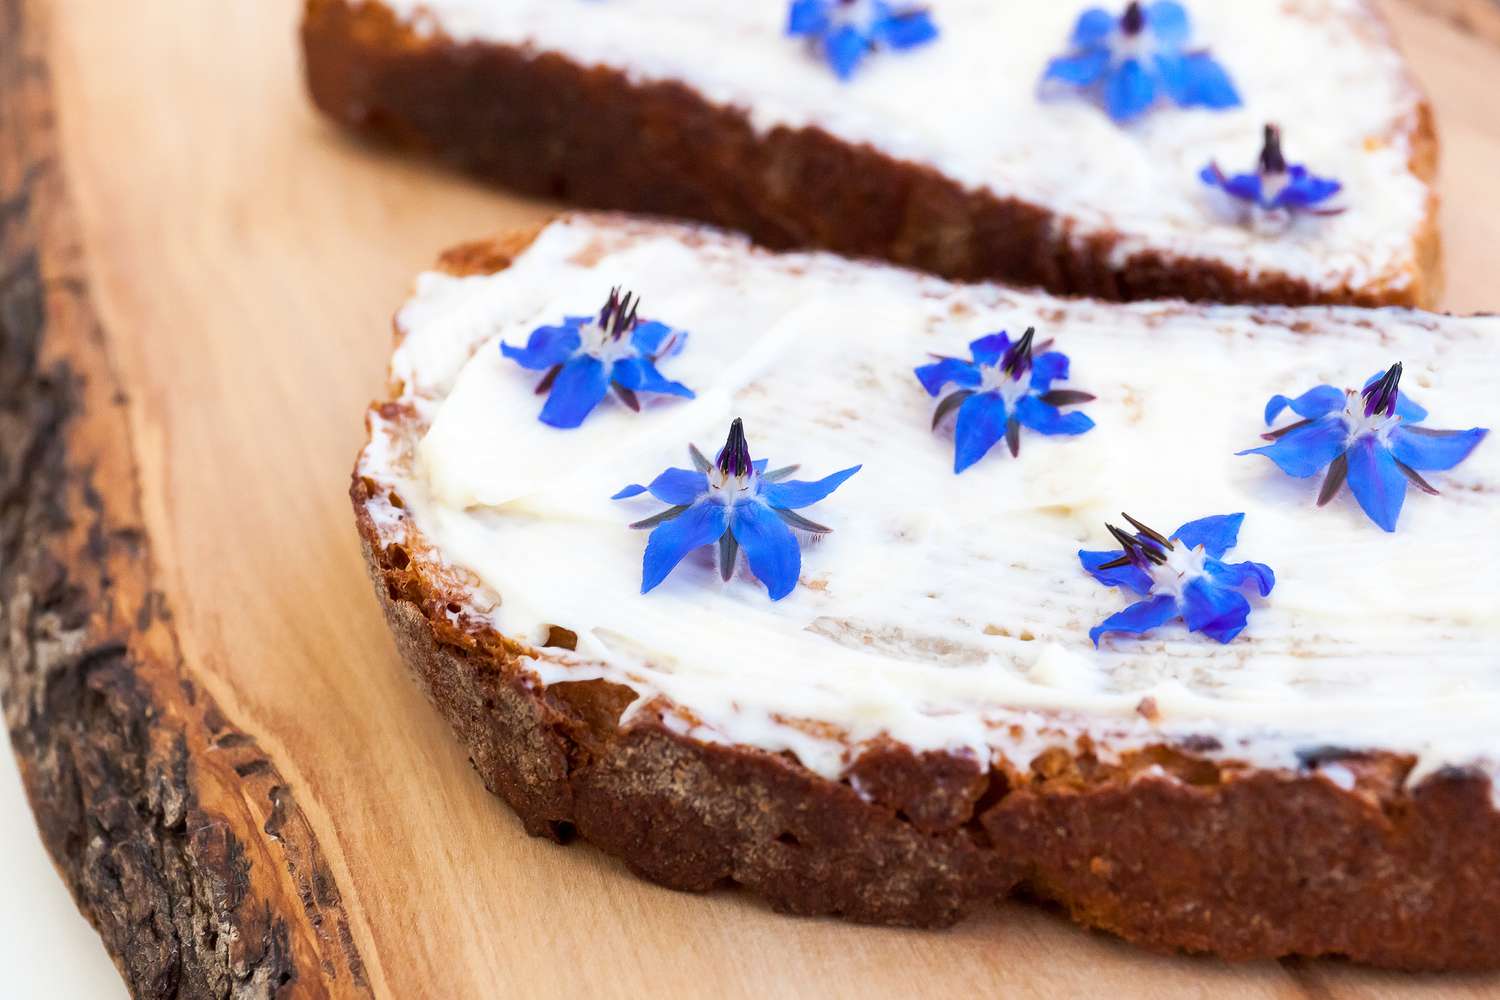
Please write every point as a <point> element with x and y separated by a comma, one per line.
<point>397,557</point>
<point>788,838</point>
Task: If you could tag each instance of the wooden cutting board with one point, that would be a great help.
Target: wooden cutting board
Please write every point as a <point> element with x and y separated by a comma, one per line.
<point>225,756</point>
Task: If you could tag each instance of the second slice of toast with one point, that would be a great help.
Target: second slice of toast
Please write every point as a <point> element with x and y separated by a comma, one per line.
<point>948,156</point>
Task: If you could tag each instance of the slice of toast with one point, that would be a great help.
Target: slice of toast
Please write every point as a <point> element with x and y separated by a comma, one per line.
<point>946,157</point>
<point>923,723</point>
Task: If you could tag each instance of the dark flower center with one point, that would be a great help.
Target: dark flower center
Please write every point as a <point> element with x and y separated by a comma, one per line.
<point>1133,20</point>
<point>1271,160</point>
<point>734,458</point>
<point>618,317</point>
<point>1147,547</point>
<point>1383,393</point>
<point>1017,359</point>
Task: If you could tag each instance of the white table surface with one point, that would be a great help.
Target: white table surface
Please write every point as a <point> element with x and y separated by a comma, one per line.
<point>47,949</point>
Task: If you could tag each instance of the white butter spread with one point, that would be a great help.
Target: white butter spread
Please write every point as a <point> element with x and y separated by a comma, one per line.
<point>950,612</point>
<point>967,106</point>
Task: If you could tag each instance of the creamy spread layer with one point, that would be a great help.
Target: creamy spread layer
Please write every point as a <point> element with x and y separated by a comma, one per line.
<point>950,612</point>
<point>967,106</point>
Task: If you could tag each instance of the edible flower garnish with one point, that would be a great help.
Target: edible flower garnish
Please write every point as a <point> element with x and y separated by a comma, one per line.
<point>586,356</point>
<point>1275,187</point>
<point>1129,62</point>
<point>845,31</point>
<point>734,503</point>
<point>1181,576</point>
<point>1006,387</point>
<point>1367,437</point>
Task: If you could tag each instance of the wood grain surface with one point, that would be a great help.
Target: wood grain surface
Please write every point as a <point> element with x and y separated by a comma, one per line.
<point>227,761</point>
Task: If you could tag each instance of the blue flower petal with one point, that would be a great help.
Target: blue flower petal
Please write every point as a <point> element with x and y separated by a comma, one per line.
<point>1245,187</point>
<point>770,547</point>
<point>701,524</point>
<point>981,422</point>
<point>1406,408</point>
<point>1169,22</point>
<point>1218,612</point>
<point>938,374</point>
<point>796,493</point>
<point>1142,616</point>
<point>679,486</point>
<point>807,17</point>
<point>1217,534</point>
<point>1081,70</point>
<point>579,387</point>
<point>1047,368</point>
<point>1129,576</point>
<point>1093,27</point>
<point>547,346</point>
<point>1306,450</point>
<point>989,349</point>
<point>1129,91</point>
<point>1376,481</point>
<point>1312,404</point>
<point>1305,190</point>
<point>845,48</point>
<point>1206,84</point>
<point>640,375</point>
<point>1047,419</point>
<point>1172,69</point>
<point>907,30</point>
<point>633,490</point>
<point>1240,573</point>
<point>1433,451</point>
<point>647,339</point>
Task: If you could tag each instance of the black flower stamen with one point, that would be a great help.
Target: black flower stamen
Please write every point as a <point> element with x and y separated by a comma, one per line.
<point>619,316</point>
<point>1382,395</point>
<point>1151,533</point>
<point>1133,20</point>
<point>1017,359</point>
<point>1146,546</point>
<point>734,459</point>
<point>1271,159</point>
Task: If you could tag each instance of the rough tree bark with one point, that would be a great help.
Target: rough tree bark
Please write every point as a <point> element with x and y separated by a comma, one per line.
<point>178,837</point>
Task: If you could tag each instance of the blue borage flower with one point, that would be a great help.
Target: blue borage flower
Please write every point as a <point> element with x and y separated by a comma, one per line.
<point>735,503</point>
<point>996,398</point>
<point>1368,438</point>
<point>1276,186</point>
<point>1181,576</point>
<point>586,356</point>
<point>848,30</point>
<point>1128,63</point>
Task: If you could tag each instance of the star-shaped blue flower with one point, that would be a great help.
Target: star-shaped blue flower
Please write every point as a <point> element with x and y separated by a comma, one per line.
<point>1181,576</point>
<point>1002,390</point>
<point>1275,185</point>
<point>1130,62</point>
<point>1369,438</point>
<point>845,31</point>
<point>586,356</point>
<point>733,503</point>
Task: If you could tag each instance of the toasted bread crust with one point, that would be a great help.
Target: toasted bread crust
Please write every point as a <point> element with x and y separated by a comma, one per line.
<point>549,127</point>
<point>1167,848</point>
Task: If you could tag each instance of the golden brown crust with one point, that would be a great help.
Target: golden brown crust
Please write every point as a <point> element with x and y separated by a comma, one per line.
<point>1167,848</point>
<point>548,127</point>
